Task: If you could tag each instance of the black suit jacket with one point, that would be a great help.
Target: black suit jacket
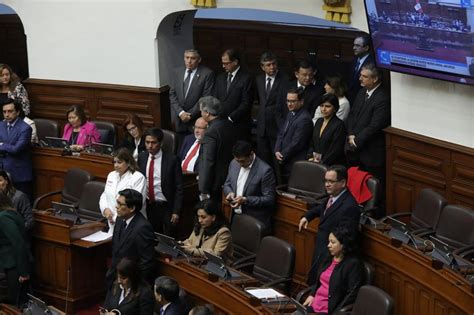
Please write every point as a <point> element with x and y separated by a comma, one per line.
<point>129,143</point>
<point>137,242</point>
<point>142,304</point>
<point>344,283</point>
<point>175,309</point>
<point>187,144</point>
<point>171,179</point>
<point>366,121</point>
<point>215,156</point>
<point>344,208</point>
<point>311,95</point>
<point>237,103</point>
<point>330,144</point>
<point>269,116</point>
<point>354,83</point>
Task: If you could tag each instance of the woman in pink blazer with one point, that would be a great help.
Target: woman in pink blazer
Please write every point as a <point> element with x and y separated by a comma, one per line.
<point>78,131</point>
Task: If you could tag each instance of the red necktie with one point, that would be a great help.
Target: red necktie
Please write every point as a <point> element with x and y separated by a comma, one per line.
<point>190,157</point>
<point>329,204</point>
<point>151,172</point>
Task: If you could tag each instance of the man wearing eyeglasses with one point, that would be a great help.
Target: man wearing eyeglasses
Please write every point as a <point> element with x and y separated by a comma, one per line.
<point>189,153</point>
<point>338,207</point>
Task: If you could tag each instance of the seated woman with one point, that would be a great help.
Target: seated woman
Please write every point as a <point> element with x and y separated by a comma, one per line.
<point>134,139</point>
<point>329,134</point>
<point>340,276</point>
<point>78,131</point>
<point>14,250</point>
<point>335,85</point>
<point>129,295</point>
<point>210,233</point>
<point>19,200</point>
<point>13,89</point>
<point>125,175</point>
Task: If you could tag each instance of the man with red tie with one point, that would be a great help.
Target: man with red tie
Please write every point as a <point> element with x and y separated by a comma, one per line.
<point>339,206</point>
<point>164,183</point>
<point>189,153</point>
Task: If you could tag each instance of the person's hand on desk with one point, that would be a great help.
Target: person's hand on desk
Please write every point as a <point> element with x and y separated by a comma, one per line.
<point>303,223</point>
<point>109,215</point>
<point>308,301</point>
<point>76,147</point>
<point>174,219</point>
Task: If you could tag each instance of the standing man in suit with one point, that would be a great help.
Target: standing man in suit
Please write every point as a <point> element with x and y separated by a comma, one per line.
<point>339,206</point>
<point>167,296</point>
<point>233,88</point>
<point>188,84</point>
<point>294,136</point>
<point>363,57</point>
<point>15,147</point>
<point>216,149</point>
<point>369,115</point>
<point>189,153</point>
<point>250,185</point>
<point>269,86</point>
<point>133,237</point>
<point>164,183</point>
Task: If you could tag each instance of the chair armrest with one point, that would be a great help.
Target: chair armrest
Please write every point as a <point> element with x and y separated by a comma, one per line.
<point>347,309</point>
<point>464,251</point>
<point>426,233</point>
<point>37,200</point>
<point>244,265</point>
<point>244,260</point>
<point>276,282</point>
<point>282,187</point>
<point>400,215</point>
<point>299,297</point>
<point>417,232</point>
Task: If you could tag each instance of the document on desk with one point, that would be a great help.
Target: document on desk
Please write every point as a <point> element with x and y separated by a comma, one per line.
<point>97,237</point>
<point>265,293</point>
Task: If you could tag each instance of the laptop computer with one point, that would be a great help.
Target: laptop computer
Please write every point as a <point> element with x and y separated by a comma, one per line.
<point>100,148</point>
<point>215,264</point>
<point>168,245</point>
<point>38,307</point>
<point>54,142</point>
<point>399,230</point>
<point>68,212</point>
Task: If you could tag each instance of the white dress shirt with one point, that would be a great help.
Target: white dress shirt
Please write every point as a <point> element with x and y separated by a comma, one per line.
<point>241,180</point>
<point>193,161</point>
<point>156,176</point>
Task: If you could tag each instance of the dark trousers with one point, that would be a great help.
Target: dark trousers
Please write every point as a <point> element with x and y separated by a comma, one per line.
<point>266,150</point>
<point>159,215</point>
<point>16,291</point>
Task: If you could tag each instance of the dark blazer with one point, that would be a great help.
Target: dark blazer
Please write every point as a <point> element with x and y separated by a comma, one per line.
<point>187,144</point>
<point>137,242</point>
<point>269,116</point>
<point>344,208</point>
<point>171,179</point>
<point>237,103</point>
<point>366,121</point>
<point>129,143</point>
<point>354,83</point>
<point>311,95</point>
<point>259,189</point>
<point>175,309</point>
<point>344,283</point>
<point>142,304</point>
<point>330,144</point>
<point>14,248</point>
<point>23,206</point>
<point>15,152</point>
<point>293,141</point>
<point>215,156</point>
<point>201,85</point>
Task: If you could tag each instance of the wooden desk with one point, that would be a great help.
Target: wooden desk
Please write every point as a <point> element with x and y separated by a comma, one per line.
<point>68,269</point>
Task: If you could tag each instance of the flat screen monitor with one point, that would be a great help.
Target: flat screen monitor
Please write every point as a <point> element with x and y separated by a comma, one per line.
<point>429,38</point>
<point>54,142</point>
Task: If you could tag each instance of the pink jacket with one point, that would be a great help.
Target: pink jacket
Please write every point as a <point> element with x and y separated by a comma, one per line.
<point>88,133</point>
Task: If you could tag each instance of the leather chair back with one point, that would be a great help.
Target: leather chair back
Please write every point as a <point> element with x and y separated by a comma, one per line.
<point>89,203</point>
<point>108,133</point>
<point>373,184</point>
<point>372,300</point>
<point>247,232</point>
<point>170,141</point>
<point>46,128</point>
<point>428,208</point>
<point>369,272</point>
<point>275,260</point>
<point>74,182</point>
<point>456,226</point>
<point>299,182</point>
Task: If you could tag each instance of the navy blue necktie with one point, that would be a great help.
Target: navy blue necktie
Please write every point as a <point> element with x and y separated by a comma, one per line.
<point>9,128</point>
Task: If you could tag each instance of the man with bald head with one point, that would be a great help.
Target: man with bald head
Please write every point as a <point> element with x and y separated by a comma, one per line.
<point>189,153</point>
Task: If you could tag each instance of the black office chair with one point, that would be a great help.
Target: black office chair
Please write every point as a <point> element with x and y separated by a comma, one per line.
<point>74,181</point>
<point>371,205</point>
<point>89,203</point>
<point>108,133</point>
<point>370,300</point>
<point>46,128</point>
<point>247,233</point>
<point>170,141</point>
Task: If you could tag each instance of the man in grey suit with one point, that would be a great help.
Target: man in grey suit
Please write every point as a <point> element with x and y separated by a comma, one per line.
<point>250,185</point>
<point>188,84</point>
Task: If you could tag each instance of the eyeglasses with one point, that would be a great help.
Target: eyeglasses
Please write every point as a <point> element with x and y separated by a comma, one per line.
<point>292,101</point>
<point>330,181</point>
<point>132,129</point>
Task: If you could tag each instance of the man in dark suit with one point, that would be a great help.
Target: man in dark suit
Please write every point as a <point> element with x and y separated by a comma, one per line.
<point>369,115</point>
<point>250,185</point>
<point>189,152</point>
<point>305,73</point>
<point>167,296</point>
<point>133,237</point>
<point>339,206</point>
<point>233,88</point>
<point>362,57</point>
<point>164,183</point>
<point>269,87</point>
<point>188,84</point>
<point>15,147</point>
<point>216,149</point>
<point>294,136</point>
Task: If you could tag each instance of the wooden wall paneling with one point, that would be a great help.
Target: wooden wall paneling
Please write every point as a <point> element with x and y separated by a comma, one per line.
<point>424,300</point>
<point>409,291</point>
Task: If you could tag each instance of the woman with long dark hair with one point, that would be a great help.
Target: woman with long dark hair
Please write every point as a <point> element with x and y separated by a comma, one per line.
<point>210,233</point>
<point>134,139</point>
<point>19,200</point>
<point>13,89</point>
